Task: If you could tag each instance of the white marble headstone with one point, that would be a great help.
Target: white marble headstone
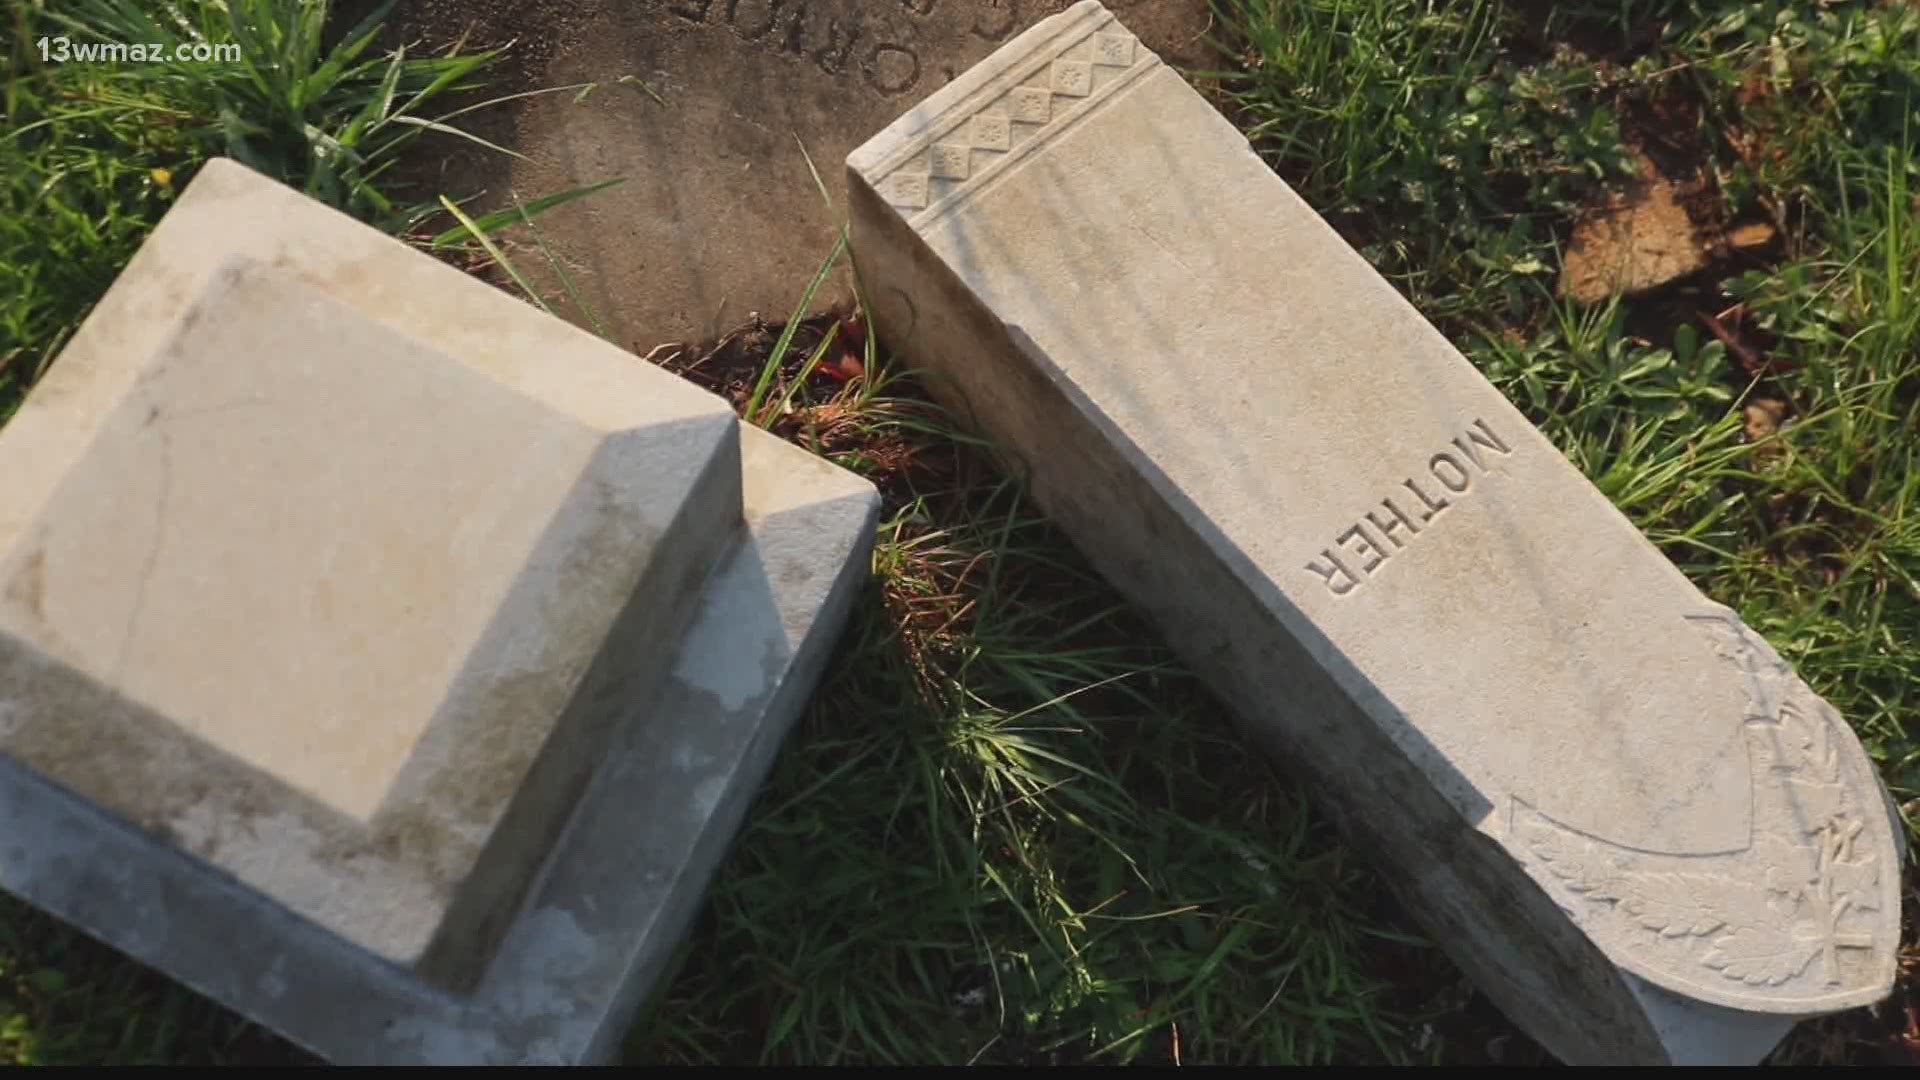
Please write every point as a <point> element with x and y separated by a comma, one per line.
<point>1588,777</point>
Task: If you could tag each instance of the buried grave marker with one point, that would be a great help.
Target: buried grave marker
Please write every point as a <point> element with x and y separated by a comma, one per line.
<point>719,217</point>
<point>1612,803</point>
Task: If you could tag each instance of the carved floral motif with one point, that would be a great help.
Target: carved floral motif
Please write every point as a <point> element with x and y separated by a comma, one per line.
<point>1779,923</point>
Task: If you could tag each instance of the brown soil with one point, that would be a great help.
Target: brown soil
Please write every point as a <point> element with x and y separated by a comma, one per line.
<point>1641,239</point>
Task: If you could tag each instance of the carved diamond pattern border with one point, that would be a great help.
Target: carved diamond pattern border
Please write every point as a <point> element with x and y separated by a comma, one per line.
<point>1031,104</point>
<point>956,156</point>
<point>907,189</point>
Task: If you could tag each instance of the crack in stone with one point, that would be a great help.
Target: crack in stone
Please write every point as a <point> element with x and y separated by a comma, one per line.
<point>162,500</point>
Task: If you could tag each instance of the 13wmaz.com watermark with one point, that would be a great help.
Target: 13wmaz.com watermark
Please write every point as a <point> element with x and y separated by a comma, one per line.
<point>62,50</point>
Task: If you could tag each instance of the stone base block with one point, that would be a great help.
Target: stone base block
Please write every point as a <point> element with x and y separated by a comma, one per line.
<point>382,657</point>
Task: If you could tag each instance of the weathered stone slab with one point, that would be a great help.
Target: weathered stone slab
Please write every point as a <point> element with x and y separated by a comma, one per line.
<point>719,216</point>
<point>1609,799</point>
<point>337,584</point>
<point>256,603</point>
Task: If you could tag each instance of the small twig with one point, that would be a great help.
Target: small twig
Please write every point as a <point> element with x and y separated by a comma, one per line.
<point>988,1045</point>
<point>732,336</point>
<point>1748,358</point>
<point>658,349</point>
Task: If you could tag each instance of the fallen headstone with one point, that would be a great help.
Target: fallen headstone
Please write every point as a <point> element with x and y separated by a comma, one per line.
<point>1605,796</point>
<point>722,103</point>
<point>380,656</point>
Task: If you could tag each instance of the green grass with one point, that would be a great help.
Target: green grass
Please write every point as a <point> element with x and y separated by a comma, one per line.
<point>92,154</point>
<point>1010,827</point>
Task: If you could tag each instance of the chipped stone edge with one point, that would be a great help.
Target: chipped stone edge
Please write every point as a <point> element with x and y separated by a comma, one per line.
<point>625,879</point>
<point>1694,1032</point>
